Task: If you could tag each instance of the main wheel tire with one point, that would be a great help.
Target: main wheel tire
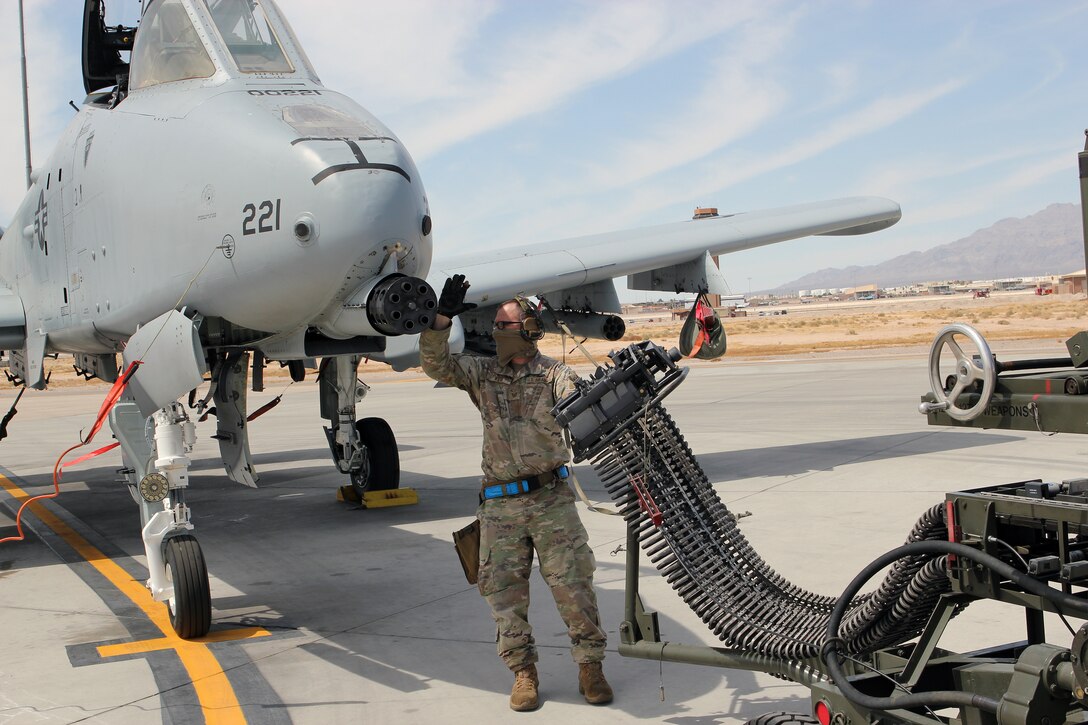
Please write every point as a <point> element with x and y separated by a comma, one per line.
<point>191,606</point>
<point>783,718</point>
<point>381,471</point>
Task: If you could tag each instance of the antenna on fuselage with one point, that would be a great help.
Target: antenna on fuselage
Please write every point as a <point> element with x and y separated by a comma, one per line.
<point>26,100</point>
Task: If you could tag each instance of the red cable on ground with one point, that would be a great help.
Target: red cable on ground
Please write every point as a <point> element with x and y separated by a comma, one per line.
<point>111,398</point>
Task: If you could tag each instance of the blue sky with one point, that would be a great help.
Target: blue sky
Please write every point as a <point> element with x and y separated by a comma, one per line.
<point>533,121</point>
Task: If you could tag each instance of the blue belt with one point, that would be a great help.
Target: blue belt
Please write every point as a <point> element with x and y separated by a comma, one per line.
<point>525,485</point>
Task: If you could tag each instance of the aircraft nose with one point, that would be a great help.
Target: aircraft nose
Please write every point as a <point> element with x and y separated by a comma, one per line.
<point>384,155</point>
<point>371,224</point>
<point>368,200</point>
<point>381,285</point>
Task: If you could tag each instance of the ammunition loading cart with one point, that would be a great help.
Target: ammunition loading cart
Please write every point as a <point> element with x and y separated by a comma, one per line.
<point>874,657</point>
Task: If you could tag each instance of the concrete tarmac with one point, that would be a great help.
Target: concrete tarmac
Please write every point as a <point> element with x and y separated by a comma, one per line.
<point>364,615</point>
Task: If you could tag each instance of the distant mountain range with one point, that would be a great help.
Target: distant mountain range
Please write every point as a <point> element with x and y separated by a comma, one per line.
<point>1048,242</point>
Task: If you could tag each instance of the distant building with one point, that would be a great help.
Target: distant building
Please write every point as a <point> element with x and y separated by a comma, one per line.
<point>865,292</point>
<point>1074,283</point>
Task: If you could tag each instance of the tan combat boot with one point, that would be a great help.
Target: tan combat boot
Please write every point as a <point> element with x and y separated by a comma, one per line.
<point>524,696</point>
<point>592,684</point>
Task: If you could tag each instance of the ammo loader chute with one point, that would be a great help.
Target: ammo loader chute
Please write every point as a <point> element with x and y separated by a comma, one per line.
<point>869,658</point>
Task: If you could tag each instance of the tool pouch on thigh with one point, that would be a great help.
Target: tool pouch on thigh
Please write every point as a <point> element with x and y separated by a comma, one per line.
<point>467,543</point>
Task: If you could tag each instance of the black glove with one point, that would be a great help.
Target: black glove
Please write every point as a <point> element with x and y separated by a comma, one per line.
<point>452,300</point>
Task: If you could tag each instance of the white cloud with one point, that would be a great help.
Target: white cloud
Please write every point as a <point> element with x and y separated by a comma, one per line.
<point>533,73</point>
<point>842,82</point>
<point>1058,67</point>
<point>902,179</point>
<point>739,94</point>
<point>717,174</point>
<point>876,115</point>
<point>390,55</point>
<point>975,199</point>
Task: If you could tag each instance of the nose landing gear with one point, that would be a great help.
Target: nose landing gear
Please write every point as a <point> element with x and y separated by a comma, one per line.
<point>157,473</point>
<point>190,605</point>
<point>365,449</point>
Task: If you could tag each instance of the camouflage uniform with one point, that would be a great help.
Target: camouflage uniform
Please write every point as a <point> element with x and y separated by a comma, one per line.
<point>522,439</point>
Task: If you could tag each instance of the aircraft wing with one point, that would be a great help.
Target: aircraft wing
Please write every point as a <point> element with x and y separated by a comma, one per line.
<point>536,269</point>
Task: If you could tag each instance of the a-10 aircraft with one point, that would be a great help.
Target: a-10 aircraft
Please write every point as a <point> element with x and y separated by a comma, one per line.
<point>213,206</point>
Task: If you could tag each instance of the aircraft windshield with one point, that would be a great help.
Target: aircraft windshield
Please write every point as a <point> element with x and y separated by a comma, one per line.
<point>249,37</point>
<point>167,48</point>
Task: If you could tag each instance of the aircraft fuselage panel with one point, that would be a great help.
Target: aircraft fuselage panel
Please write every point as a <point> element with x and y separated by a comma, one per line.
<point>265,203</point>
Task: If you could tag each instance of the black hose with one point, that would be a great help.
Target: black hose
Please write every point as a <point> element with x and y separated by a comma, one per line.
<point>935,699</point>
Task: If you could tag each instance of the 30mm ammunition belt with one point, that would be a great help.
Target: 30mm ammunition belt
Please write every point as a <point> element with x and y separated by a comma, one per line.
<point>694,541</point>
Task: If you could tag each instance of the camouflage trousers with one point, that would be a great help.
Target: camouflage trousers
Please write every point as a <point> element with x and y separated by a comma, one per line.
<point>510,529</point>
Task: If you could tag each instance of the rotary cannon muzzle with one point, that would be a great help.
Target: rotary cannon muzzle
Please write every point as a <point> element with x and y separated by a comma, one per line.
<point>401,305</point>
<point>393,305</point>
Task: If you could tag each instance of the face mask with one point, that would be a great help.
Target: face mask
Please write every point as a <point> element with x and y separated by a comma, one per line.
<point>510,344</point>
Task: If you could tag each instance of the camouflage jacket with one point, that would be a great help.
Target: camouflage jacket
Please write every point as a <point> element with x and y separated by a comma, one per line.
<point>521,437</point>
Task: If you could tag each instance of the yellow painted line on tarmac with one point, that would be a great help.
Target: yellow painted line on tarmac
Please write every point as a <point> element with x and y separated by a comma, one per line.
<point>161,643</point>
<point>213,689</point>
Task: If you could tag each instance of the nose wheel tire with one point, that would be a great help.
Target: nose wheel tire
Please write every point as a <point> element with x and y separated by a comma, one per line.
<point>969,371</point>
<point>191,606</point>
<point>381,469</point>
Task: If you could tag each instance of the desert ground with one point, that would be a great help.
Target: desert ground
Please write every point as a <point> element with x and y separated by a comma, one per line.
<point>805,329</point>
<point>886,323</point>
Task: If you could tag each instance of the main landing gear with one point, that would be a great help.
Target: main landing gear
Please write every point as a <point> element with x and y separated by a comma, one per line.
<point>366,449</point>
<point>156,469</point>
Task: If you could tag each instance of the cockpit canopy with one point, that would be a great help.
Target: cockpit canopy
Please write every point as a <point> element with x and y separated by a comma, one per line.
<point>250,39</point>
<point>167,48</point>
<point>192,39</point>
